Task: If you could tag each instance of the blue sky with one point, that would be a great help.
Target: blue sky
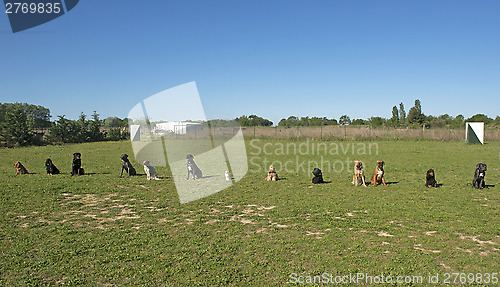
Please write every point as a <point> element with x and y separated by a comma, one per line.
<point>272,58</point>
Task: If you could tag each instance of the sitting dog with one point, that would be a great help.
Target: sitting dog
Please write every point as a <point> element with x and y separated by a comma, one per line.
<point>271,174</point>
<point>318,176</point>
<point>20,168</point>
<point>479,175</point>
<point>126,165</point>
<point>430,180</point>
<point>192,168</point>
<point>77,164</point>
<point>50,167</point>
<point>378,174</point>
<point>150,170</point>
<point>359,174</point>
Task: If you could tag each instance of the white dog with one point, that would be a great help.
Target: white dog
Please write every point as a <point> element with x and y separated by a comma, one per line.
<point>150,170</point>
<point>228,176</point>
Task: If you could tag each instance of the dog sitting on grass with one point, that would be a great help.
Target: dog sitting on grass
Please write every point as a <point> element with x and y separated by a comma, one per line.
<point>192,168</point>
<point>50,167</point>
<point>430,179</point>
<point>479,175</point>
<point>318,176</point>
<point>359,174</point>
<point>20,169</point>
<point>126,165</point>
<point>77,164</point>
<point>150,170</point>
<point>271,174</point>
<point>378,174</point>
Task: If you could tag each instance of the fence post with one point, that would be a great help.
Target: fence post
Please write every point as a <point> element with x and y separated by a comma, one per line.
<point>253,131</point>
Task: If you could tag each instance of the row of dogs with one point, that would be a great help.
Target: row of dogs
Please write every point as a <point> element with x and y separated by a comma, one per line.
<point>378,175</point>
<point>78,170</point>
<point>192,169</point>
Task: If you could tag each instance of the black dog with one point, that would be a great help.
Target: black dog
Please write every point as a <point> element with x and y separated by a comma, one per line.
<point>50,167</point>
<point>126,165</point>
<point>192,168</point>
<point>77,164</point>
<point>430,179</point>
<point>479,175</point>
<point>318,176</point>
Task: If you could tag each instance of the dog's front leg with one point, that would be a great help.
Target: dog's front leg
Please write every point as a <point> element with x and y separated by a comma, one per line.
<point>187,178</point>
<point>121,174</point>
<point>383,181</point>
<point>363,178</point>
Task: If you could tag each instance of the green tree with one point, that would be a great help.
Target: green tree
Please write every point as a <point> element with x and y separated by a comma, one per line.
<point>377,121</point>
<point>415,115</point>
<point>345,120</point>
<point>402,114</point>
<point>480,118</point>
<point>394,121</point>
<point>15,129</point>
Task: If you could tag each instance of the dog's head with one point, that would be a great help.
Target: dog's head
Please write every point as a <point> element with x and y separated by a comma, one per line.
<point>77,155</point>
<point>481,167</point>
<point>48,162</point>
<point>380,164</point>
<point>124,156</point>
<point>316,172</point>
<point>271,169</point>
<point>146,163</point>
<point>17,164</point>
<point>358,165</point>
<point>430,173</point>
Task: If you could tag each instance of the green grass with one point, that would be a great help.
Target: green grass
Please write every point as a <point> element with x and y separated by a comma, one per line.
<point>102,230</point>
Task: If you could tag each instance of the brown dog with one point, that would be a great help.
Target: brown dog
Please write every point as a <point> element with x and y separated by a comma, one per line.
<point>359,174</point>
<point>271,174</point>
<point>20,168</point>
<point>378,175</point>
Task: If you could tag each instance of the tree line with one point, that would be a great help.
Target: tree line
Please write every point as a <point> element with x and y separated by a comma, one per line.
<point>22,124</point>
<point>415,118</point>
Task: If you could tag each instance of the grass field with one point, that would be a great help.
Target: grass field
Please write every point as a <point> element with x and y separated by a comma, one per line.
<point>102,230</point>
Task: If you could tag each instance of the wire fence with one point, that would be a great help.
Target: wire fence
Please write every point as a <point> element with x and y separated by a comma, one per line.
<point>327,133</point>
<point>363,133</point>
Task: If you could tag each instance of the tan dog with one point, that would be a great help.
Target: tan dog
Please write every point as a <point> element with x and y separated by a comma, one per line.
<point>359,174</point>
<point>271,174</point>
<point>20,168</point>
<point>378,175</point>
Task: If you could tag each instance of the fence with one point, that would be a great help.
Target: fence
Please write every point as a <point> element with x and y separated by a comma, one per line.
<point>335,132</point>
<point>363,133</point>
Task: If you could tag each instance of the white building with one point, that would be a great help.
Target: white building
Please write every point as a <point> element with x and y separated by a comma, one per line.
<point>180,128</point>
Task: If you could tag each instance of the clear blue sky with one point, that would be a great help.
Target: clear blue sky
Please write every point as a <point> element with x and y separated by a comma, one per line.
<point>273,58</point>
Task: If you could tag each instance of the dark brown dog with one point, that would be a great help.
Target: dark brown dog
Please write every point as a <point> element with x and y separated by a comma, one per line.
<point>20,168</point>
<point>359,174</point>
<point>378,174</point>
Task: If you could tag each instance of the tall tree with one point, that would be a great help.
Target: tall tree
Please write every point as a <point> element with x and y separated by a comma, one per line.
<point>402,114</point>
<point>415,115</point>
<point>394,121</point>
<point>15,128</point>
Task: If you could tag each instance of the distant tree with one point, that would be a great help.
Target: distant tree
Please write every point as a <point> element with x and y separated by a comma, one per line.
<point>115,122</point>
<point>480,118</point>
<point>292,121</point>
<point>253,120</point>
<point>377,121</point>
<point>394,121</point>
<point>344,120</point>
<point>402,114</point>
<point>358,122</point>
<point>458,121</point>
<point>497,121</point>
<point>415,115</point>
<point>15,128</point>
